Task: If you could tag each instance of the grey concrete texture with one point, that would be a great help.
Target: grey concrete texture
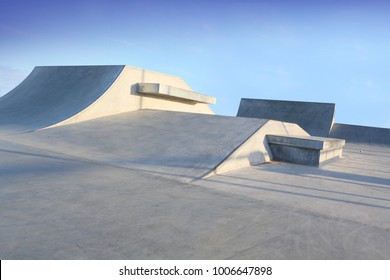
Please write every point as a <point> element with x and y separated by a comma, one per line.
<point>307,150</point>
<point>55,206</point>
<point>316,118</point>
<point>361,134</point>
<point>308,142</point>
<point>185,146</point>
<point>51,94</point>
<point>174,92</point>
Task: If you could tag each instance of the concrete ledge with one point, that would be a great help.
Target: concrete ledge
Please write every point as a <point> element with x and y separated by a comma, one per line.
<point>306,150</point>
<point>169,91</point>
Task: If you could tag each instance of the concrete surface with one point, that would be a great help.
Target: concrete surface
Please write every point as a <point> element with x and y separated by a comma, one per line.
<point>315,118</point>
<point>55,206</point>
<point>173,92</point>
<point>176,145</point>
<point>361,134</point>
<point>50,95</point>
<point>58,95</point>
<point>307,150</point>
<point>184,146</point>
<point>130,185</point>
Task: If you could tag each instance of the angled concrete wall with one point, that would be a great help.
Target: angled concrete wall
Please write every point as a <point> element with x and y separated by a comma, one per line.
<point>315,118</point>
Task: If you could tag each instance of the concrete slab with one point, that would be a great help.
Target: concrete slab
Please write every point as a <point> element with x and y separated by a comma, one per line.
<point>315,118</point>
<point>361,134</point>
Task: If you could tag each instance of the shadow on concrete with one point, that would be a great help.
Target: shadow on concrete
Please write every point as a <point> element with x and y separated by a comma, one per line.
<point>297,193</point>
<point>343,177</point>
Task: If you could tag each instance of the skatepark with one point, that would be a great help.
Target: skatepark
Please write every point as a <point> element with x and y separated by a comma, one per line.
<point>117,162</point>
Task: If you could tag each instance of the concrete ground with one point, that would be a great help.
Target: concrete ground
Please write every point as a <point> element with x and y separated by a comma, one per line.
<point>58,206</point>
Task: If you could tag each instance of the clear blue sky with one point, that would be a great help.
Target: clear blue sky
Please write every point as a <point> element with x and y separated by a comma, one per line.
<point>321,51</point>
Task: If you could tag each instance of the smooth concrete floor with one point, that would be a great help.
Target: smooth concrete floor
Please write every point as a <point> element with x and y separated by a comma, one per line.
<point>54,206</point>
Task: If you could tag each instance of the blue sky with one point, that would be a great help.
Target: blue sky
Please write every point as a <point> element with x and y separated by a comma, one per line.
<point>320,51</point>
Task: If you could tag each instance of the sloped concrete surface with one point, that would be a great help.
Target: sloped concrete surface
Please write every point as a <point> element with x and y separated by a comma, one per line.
<point>175,145</point>
<point>51,94</point>
<point>62,207</point>
<point>315,118</point>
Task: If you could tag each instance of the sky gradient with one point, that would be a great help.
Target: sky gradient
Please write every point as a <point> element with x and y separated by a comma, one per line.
<point>319,51</point>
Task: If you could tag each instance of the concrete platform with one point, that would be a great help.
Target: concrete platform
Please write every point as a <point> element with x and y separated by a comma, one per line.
<point>307,150</point>
<point>315,118</point>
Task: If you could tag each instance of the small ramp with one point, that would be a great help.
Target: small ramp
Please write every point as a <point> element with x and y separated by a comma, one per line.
<point>315,118</point>
<point>182,146</point>
<point>361,134</point>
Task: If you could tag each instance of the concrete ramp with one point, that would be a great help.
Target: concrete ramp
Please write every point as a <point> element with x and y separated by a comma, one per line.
<point>59,95</point>
<point>315,118</point>
<point>361,134</point>
<point>50,95</point>
<point>176,145</point>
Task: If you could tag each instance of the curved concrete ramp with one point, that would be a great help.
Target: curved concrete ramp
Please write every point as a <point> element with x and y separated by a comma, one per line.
<point>59,95</point>
<point>315,118</point>
<point>176,145</point>
<point>50,95</point>
<point>361,134</point>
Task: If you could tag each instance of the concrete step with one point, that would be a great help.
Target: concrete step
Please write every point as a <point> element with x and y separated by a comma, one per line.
<point>306,150</point>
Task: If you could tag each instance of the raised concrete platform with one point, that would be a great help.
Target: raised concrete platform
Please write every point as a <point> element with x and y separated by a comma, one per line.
<point>58,95</point>
<point>176,145</point>
<point>315,118</point>
<point>165,91</point>
<point>305,150</point>
<point>361,134</point>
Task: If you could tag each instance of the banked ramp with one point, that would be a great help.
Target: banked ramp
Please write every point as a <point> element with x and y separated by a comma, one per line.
<point>57,95</point>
